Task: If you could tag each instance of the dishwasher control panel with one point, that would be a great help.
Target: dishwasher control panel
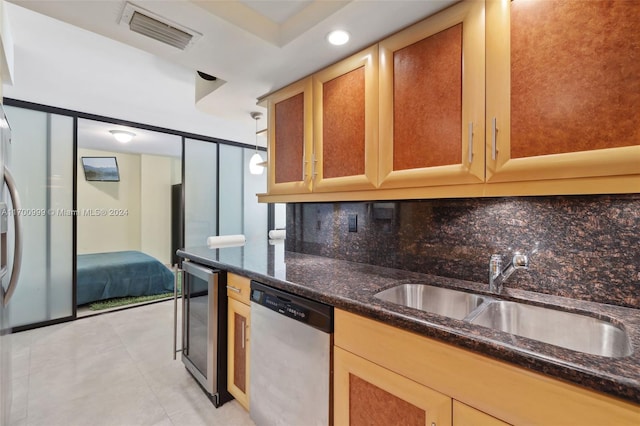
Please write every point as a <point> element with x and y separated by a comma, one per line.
<point>315,314</point>
<point>284,307</point>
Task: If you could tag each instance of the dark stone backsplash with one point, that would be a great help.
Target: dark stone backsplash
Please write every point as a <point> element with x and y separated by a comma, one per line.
<point>589,246</point>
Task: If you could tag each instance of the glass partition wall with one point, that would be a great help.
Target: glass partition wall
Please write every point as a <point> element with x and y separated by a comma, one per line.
<point>200,191</point>
<point>217,196</point>
<point>41,158</point>
<point>220,193</point>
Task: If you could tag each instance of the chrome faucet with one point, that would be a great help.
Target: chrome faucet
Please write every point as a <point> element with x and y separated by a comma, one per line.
<point>498,275</point>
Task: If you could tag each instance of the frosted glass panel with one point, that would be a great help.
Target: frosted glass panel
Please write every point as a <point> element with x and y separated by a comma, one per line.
<point>231,183</point>
<point>200,184</point>
<point>255,214</point>
<point>280,213</point>
<point>60,227</point>
<point>239,211</point>
<point>41,159</point>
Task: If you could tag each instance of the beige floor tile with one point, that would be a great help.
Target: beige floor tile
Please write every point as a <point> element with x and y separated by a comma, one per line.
<point>20,360</point>
<point>22,340</point>
<point>176,389</point>
<point>164,422</point>
<point>73,379</point>
<point>20,390</point>
<point>230,414</point>
<point>73,343</point>
<point>115,369</point>
<point>133,403</point>
<point>21,422</point>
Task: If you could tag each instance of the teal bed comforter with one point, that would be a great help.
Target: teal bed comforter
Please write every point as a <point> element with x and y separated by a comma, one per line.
<point>120,274</point>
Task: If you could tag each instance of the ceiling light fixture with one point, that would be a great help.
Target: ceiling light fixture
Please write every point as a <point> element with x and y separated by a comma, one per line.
<point>122,135</point>
<point>338,37</point>
<point>256,163</point>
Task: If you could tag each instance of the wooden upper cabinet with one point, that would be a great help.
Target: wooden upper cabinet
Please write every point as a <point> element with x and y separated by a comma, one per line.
<point>563,90</point>
<point>554,111</point>
<point>290,139</point>
<point>432,101</point>
<point>345,124</point>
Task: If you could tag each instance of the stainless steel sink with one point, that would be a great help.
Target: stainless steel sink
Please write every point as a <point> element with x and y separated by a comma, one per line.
<point>569,330</point>
<point>438,300</point>
<point>565,329</point>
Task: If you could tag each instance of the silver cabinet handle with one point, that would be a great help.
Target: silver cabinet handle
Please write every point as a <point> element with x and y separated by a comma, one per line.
<point>232,288</point>
<point>470,142</point>
<point>17,222</point>
<point>494,131</point>
<point>243,337</point>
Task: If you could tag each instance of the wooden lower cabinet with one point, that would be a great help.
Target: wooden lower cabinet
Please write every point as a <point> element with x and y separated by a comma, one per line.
<point>239,317</point>
<point>463,415</point>
<point>367,394</point>
<point>383,372</point>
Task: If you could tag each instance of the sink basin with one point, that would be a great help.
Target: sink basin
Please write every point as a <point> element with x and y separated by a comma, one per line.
<point>569,330</point>
<point>443,301</point>
<point>565,329</point>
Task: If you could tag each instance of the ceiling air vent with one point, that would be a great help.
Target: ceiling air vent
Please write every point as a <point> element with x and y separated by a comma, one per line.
<point>158,28</point>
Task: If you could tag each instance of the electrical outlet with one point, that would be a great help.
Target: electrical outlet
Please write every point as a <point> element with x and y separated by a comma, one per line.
<point>353,223</point>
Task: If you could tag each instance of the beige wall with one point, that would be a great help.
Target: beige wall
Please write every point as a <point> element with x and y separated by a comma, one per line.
<point>112,232</point>
<point>155,201</point>
<point>144,192</point>
<point>176,171</point>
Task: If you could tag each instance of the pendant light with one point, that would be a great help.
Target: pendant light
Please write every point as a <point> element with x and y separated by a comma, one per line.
<point>256,163</point>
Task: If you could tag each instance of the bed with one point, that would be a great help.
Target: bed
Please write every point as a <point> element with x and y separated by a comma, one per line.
<point>120,274</point>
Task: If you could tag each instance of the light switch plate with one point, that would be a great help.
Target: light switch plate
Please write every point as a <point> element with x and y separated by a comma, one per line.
<point>353,223</point>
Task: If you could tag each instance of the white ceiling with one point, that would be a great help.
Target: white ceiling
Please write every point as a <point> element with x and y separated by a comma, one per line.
<point>278,11</point>
<point>95,135</point>
<point>255,46</point>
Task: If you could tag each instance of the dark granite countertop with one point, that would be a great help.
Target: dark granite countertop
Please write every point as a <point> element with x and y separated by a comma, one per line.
<point>351,286</point>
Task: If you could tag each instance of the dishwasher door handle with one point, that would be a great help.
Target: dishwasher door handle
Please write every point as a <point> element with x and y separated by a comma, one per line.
<point>178,281</point>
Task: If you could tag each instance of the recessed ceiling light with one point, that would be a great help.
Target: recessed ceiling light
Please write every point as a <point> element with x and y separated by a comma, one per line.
<point>338,37</point>
<point>122,135</point>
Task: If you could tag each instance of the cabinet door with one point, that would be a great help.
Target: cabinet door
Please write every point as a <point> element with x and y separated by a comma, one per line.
<point>432,101</point>
<point>563,90</point>
<point>289,139</point>
<point>345,106</point>
<point>239,316</point>
<point>367,394</point>
<point>463,415</point>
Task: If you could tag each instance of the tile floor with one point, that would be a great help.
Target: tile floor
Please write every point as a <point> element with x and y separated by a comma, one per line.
<point>114,369</point>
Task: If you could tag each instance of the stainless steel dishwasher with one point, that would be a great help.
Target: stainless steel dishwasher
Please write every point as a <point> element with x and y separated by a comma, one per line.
<point>291,371</point>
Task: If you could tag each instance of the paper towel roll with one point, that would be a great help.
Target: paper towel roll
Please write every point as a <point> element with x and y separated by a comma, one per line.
<point>226,241</point>
<point>278,234</point>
